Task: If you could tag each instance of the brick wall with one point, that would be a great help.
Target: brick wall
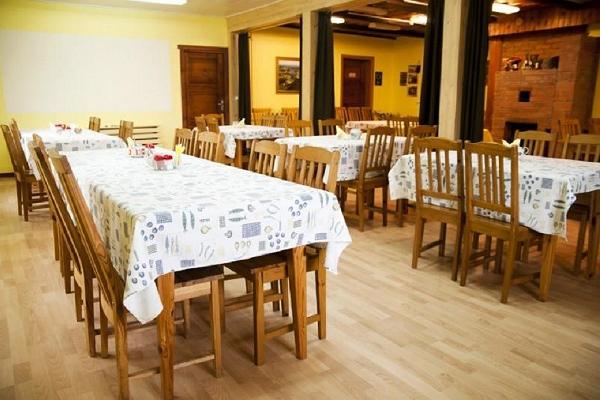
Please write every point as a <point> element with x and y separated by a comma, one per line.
<point>555,93</point>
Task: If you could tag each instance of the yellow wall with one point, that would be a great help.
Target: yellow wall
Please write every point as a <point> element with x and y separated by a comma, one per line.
<point>391,57</point>
<point>177,29</point>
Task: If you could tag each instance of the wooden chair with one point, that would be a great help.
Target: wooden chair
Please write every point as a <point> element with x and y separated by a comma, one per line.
<point>201,124</point>
<point>209,146</point>
<point>267,120</point>
<point>280,121</point>
<point>315,167</point>
<point>212,124</point>
<point>268,158</point>
<point>583,148</point>
<point>327,126</point>
<point>31,195</point>
<point>71,247</point>
<point>442,186</point>
<point>341,114</point>
<point>373,173</point>
<point>488,174</point>
<point>354,114</point>
<point>219,117</point>
<point>94,124</point>
<point>257,114</point>
<point>566,127</point>
<point>537,142</point>
<point>298,127</point>
<point>185,137</point>
<point>290,112</point>
<point>125,129</point>
<point>366,113</point>
<point>410,122</point>
<point>189,284</point>
<point>397,123</point>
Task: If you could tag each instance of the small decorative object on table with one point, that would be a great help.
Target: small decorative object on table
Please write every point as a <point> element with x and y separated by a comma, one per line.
<point>161,162</point>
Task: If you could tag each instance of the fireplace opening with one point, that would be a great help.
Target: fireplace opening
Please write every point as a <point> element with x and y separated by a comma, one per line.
<point>512,126</point>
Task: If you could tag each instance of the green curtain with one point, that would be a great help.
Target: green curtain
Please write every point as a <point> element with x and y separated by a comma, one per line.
<point>323,101</point>
<point>475,70</point>
<point>432,64</point>
<point>244,102</point>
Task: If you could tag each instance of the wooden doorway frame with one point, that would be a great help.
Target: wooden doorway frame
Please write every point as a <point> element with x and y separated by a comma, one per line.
<point>368,85</point>
<point>183,73</point>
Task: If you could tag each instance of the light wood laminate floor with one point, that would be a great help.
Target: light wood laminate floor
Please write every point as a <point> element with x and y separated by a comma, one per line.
<point>393,332</point>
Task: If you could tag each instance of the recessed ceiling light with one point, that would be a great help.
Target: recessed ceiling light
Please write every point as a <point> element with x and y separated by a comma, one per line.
<point>169,2</point>
<point>418,19</point>
<point>504,8</point>
<point>337,20</point>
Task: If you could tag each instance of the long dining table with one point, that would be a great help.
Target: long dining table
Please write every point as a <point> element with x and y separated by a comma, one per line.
<point>548,188</point>
<point>201,214</point>
<point>236,136</point>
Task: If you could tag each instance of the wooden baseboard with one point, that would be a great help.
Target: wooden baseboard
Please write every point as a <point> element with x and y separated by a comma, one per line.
<point>7,174</point>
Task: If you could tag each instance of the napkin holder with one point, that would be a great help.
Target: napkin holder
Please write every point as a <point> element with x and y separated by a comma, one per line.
<point>161,162</point>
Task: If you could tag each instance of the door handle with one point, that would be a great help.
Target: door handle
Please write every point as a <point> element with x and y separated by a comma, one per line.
<point>221,105</point>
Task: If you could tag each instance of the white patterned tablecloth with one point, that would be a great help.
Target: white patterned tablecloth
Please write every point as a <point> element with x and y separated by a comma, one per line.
<point>365,125</point>
<point>68,140</point>
<point>201,214</point>
<point>548,187</point>
<point>350,151</point>
<point>247,132</point>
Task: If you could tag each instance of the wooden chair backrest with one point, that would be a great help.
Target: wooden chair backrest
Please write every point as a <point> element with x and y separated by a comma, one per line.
<point>267,120</point>
<point>125,129</point>
<point>94,124</point>
<point>290,112</point>
<point>485,166</point>
<point>539,143</point>
<point>410,122</point>
<point>219,117</point>
<point>108,279</point>
<point>201,124</point>
<point>436,153</point>
<point>15,148</point>
<point>397,123</point>
<point>341,114</point>
<point>298,127</point>
<point>212,124</point>
<point>354,114</point>
<point>184,137</point>
<point>568,127</point>
<point>366,113</point>
<point>268,158</point>
<point>209,146</point>
<point>257,114</point>
<point>419,131</point>
<point>314,166</point>
<point>376,157</point>
<point>280,120</point>
<point>9,144</point>
<point>582,147</point>
<point>14,127</point>
<point>59,207</point>
<point>327,126</point>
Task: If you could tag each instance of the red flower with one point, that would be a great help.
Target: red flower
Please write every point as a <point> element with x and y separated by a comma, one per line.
<point>167,157</point>
<point>158,157</point>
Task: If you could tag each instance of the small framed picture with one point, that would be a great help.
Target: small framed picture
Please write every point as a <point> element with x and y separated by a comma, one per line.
<point>403,78</point>
<point>378,78</point>
<point>413,78</point>
<point>287,77</point>
<point>414,69</point>
<point>412,91</point>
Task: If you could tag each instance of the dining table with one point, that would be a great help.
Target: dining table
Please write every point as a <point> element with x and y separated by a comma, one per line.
<point>236,136</point>
<point>68,140</point>
<point>366,125</point>
<point>548,187</point>
<point>350,150</point>
<point>197,215</point>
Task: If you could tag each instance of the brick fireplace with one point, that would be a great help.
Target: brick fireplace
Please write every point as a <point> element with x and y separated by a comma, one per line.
<point>542,97</point>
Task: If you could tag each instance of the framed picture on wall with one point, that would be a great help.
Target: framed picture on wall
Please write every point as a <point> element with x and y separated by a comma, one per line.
<point>412,91</point>
<point>287,71</point>
<point>403,78</point>
<point>414,69</point>
<point>413,79</point>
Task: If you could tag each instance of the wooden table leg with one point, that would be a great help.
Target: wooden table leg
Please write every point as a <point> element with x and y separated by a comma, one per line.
<point>239,153</point>
<point>594,239</point>
<point>297,275</point>
<point>166,289</point>
<point>549,251</point>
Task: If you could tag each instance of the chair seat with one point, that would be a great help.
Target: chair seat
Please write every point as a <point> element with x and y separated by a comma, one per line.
<point>500,229</point>
<point>369,182</point>
<point>248,268</point>
<point>441,214</point>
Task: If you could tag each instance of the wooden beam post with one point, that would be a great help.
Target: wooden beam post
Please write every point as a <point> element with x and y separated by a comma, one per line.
<point>309,59</point>
<point>234,74</point>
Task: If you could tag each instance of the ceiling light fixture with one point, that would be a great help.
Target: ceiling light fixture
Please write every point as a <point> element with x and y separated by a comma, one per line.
<point>504,8</point>
<point>337,20</point>
<point>416,2</point>
<point>168,2</point>
<point>418,19</point>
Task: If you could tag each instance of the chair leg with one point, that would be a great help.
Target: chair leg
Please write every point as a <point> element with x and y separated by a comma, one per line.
<point>499,253</point>
<point>103,334</point>
<point>19,198</point>
<point>321,281</point>
<point>285,301</point>
<point>275,288</point>
<point>187,315</point>
<point>215,324</point>
<point>65,265</point>
<point>464,265</point>
<point>248,286</point>
<point>457,249</point>
<point>360,201</point>
<point>222,304</point>
<point>400,211</point>
<point>487,251</point>
<point>384,200</point>
<point>78,303</point>
<point>580,245</point>
<point>88,307</point>
<point>26,200</point>
<point>508,270</point>
<point>442,247</point>
<point>418,240</point>
<point>259,320</point>
<point>56,237</point>
<point>476,241</point>
<point>371,203</point>
<point>120,318</point>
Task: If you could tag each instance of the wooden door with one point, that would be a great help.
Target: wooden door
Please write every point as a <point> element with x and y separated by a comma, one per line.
<point>357,81</point>
<point>204,82</point>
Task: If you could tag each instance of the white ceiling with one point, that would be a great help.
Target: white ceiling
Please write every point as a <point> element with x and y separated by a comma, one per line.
<point>221,8</point>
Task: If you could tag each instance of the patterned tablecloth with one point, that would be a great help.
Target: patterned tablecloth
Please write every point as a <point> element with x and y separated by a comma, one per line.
<point>202,214</point>
<point>69,141</point>
<point>364,125</point>
<point>247,132</point>
<point>548,187</point>
<point>350,151</point>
